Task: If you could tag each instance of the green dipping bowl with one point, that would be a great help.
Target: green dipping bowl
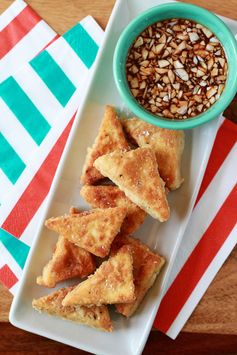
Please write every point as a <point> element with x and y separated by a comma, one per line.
<point>168,11</point>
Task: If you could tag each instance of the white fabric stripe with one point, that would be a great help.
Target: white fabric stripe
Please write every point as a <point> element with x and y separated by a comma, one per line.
<point>46,147</point>
<point>203,284</point>
<point>67,59</point>
<point>94,30</point>
<point>208,206</point>
<point>5,188</point>
<point>26,49</point>
<point>39,93</point>
<point>16,134</point>
<point>11,12</point>
<point>14,289</point>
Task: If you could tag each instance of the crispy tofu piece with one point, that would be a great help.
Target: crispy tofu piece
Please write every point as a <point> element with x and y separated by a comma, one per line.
<point>136,173</point>
<point>112,196</point>
<point>111,283</point>
<point>146,267</point>
<point>92,230</point>
<point>68,261</point>
<point>96,317</point>
<point>167,144</point>
<point>110,138</point>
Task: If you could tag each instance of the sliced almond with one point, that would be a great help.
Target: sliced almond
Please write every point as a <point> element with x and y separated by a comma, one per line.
<point>138,42</point>
<point>135,92</point>
<point>206,32</point>
<point>180,47</point>
<point>134,83</point>
<point>163,63</point>
<point>193,36</point>
<point>159,47</point>
<point>171,76</point>
<point>222,62</point>
<point>182,74</point>
<point>161,70</point>
<point>210,63</point>
<point>176,86</point>
<point>165,79</point>
<point>166,54</point>
<point>211,92</point>
<point>178,64</point>
<point>144,53</point>
<point>200,107</point>
<point>214,72</point>
<point>162,39</point>
<point>200,73</point>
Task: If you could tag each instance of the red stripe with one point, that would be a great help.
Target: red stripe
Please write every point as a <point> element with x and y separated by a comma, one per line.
<point>197,263</point>
<point>225,139</point>
<point>17,29</point>
<point>37,190</point>
<point>7,277</point>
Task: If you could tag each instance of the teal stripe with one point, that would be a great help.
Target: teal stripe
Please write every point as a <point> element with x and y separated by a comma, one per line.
<point>18,250</point>
<point>10,162</point>
<point>82,43</point>
<point>24,110</point>
<point>54,77</point>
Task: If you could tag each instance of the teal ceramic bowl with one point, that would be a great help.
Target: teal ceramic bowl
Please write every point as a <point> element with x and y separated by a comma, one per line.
<point>159,13</point>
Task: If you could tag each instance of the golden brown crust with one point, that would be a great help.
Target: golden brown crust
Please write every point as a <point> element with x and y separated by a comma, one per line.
<point>111,283</point>
<point>96,317</point>
<point>92,230</point>
<point>136,173</point>
<point>167,144</point>
<point>146,267</point>
<point>112,196</point>
<point>110,137</point>
<point>68,261</point>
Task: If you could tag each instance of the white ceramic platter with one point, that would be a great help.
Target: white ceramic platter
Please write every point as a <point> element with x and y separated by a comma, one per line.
<point>129,336</point>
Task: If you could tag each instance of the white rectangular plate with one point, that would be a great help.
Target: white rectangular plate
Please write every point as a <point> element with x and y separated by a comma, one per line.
<point>129,336</point>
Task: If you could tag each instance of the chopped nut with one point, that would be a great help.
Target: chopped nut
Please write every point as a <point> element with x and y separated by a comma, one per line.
<point>176,68</point>
<point>159,47</point>
<point>134,83</point>
<point>144,53</point>
<point>211,92</point>
<point>162,39</point>
<point>177,64</point>
<point>163,63</point>
<point>200,73</point>
<point>166,79</point>
<point>171,76</point>
<point>214,72</point>
<point>193,36</point>
<point>222,62</point>
<point>182,74</point>
<point>206,32</point>
<point>180,47</point>
<point>138,42</point>
<point>210,63</point>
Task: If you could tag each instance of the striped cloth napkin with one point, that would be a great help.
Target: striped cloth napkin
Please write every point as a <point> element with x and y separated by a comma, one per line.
<point>30,152</point>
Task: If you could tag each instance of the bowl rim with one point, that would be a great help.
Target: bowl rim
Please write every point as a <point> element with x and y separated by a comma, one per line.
<point>214,111</point>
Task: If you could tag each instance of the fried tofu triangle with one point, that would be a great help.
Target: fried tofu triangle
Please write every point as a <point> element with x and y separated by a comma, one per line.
<point>68,261</point>
<point>146,267</point>
<point>111,283</point>
<point>95,317</point>
<point>136,173</point>
<point>168,146</point>
<point>110,138</point>
<point>112,196</point>
<point>92,230</point>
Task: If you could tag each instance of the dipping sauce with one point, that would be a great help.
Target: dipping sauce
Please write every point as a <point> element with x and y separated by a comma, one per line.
<point>176,69</point>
